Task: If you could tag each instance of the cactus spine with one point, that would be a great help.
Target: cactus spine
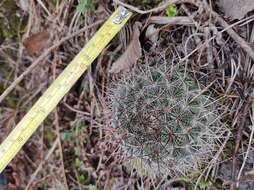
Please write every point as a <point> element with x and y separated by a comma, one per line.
<point>167,122</point>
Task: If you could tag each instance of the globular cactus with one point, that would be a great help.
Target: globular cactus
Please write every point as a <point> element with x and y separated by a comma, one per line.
<point>166,122</point>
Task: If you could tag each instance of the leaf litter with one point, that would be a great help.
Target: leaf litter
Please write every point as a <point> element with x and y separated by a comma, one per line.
<point>37,42</point>
<point>236,9</point>
<point>131,55</point>
<point>92,155</point>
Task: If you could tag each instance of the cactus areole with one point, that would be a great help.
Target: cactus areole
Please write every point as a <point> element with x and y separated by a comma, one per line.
<point>166,121</point>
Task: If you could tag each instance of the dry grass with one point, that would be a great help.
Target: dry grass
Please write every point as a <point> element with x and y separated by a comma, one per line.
<point>73,149</point>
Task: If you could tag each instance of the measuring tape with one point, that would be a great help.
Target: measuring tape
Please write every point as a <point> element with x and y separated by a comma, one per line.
<point>48,101</point>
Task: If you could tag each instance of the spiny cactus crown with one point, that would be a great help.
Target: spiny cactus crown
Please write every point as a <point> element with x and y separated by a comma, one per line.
<point>167,121</point>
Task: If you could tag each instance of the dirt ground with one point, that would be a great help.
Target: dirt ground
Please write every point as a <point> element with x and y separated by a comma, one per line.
<point>75,147</point>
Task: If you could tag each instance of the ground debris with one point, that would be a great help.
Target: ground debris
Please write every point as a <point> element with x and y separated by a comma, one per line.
<point>236,9</point>
<point>37,42</point>
<point>218,53</point>
<point>133,52</point>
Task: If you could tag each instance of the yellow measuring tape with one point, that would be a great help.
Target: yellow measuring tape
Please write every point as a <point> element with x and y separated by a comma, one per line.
<point>31,121</point>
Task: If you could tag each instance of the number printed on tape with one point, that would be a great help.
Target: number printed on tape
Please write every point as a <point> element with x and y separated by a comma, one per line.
<point>31,121</point>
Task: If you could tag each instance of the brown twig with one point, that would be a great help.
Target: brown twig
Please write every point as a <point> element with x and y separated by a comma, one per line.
<point>56,122</point>
<point>42,57</point>
<point>244,45</point>
<point>33,176</point>
<point>249,146</point>
<point>178,20</point>
<point>238,140</point>
<point>60,149</point>
<point>156,9</point>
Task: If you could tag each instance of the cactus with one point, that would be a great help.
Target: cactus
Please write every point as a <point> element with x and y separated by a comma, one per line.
<point>166,121</point>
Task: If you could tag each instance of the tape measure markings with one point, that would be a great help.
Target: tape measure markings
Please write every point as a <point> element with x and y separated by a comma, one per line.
<point>62,84</point>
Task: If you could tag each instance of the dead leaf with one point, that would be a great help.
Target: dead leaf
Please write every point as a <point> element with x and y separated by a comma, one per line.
<point>133,52</point>
<point>37,42</point>
<point>236,9</point>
